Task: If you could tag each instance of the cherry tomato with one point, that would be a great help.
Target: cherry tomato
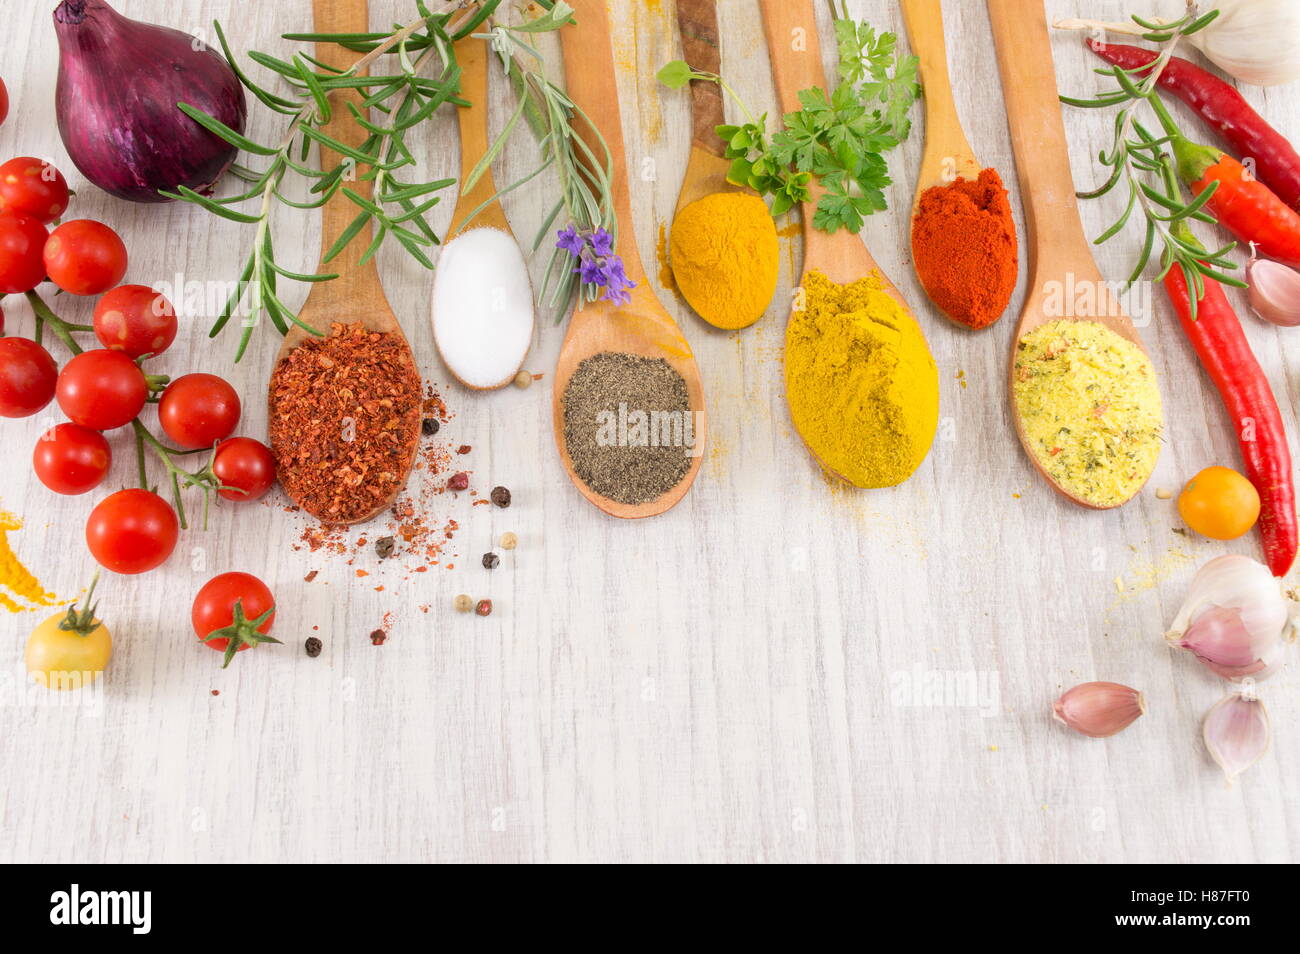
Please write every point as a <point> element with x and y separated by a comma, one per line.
<point>102,389</point>
<point>22,240</point>
<point>34,188</point>
<point>136,320</point>
<point>58,657</point>
<point>28,376</point>
<point>85,257</point>
<point>197,410</point>
<point>214,612</point>
<point>4,102</point>
<point>244,464</point>
<point>1219,503</point>
<point>132,531</point>
<point>71,459</point>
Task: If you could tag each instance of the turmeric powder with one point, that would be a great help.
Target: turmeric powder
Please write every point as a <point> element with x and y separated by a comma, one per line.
<point>862,386</point>
<point>15,577</point>
<point>724,258</point>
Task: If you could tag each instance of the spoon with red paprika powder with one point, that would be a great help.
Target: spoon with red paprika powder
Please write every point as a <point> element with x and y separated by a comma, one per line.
<point>964,245</point>
<point>345,406</point>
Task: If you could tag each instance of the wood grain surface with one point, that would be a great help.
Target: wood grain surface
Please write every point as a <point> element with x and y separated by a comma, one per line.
<point>757,675</point>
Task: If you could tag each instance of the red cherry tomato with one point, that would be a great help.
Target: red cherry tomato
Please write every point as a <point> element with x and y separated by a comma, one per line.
<point>34,188</point>
<point>22,240</point>
<point>4,102</point>
<point>136,320</point>
<point>71,459</point>
<point>85,257</point>
<point>214,609</point>
<point>246,465</point>
<point>197,410</point>
<point>102,389</point>
<point>132,531</point>
<point>27,377</point>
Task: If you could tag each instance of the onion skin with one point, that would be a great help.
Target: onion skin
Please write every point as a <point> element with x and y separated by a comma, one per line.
<point>119,83</point>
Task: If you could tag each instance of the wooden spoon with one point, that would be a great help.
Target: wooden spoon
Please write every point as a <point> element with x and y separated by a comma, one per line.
<point>472,55</point>
<point>356,295</point>
<point>1060,252</point>
<point>842,256</point>
<point>706,169</point>
<point>947,154</point>
<point>642,327</point>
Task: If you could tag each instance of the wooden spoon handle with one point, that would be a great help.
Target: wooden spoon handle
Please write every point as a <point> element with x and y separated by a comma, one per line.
<point>697,22</point>
<point>472,57</point>
<point>1037,130</point>
<point>343,16</point>
<point>590,80</point>
<point>791,30</point>
<point>924,19</point>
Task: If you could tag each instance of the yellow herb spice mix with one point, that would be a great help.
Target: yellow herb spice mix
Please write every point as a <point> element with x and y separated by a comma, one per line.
<point>1090,409</point>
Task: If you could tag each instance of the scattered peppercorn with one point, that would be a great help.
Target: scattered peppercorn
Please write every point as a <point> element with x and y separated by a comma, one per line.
<point>216,692</point>
<point>385,546</point>
<point>501,496</point>
<point>484,608</point>
<point>463,449</point>
<point>377,637</point>
<point>313,646</point>
<point>464,603</point>
<point>523,379</point>
<point>490,561</point>
<point>429,426</point>
<point>509,541</point>
<point>458,481</point>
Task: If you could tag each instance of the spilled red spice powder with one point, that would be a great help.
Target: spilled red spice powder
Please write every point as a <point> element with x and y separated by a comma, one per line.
<point>965,249</point>
<point>344,411</point>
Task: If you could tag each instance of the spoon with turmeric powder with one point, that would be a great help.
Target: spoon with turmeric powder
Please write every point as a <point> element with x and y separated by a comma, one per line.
<point>964,244</point>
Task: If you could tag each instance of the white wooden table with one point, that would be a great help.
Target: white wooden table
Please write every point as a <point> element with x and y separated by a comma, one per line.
<point>727,682</point>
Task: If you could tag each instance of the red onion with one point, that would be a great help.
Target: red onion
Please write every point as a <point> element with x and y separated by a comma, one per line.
<point>119,83</point>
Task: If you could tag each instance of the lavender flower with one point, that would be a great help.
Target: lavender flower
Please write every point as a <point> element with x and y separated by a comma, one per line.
<point>597,263</point>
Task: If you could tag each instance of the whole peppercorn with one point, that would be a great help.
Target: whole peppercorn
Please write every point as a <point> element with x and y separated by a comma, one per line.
<point>523,379</point>
<point>463,603</point>
<point>377,637</point>
<point>384,546</point>
<point>509,541</point>
<point>490,561</point>
<point>484,608</point>
<point>458,481</point>
<point>500,496</point>
<point>313,646</point>
<point>429,426</point>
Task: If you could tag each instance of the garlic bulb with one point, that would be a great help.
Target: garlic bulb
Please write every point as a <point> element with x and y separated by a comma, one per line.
<point>1274,292</point>
<point>1235,619</point>
<point>1237,733</point>
<point>1099,709</point>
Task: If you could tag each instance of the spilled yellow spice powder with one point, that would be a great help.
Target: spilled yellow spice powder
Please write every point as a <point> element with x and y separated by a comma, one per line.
<point>1090,409</point>
<point>14,577</point>
<point>724,257</point>
<point>862,386</point>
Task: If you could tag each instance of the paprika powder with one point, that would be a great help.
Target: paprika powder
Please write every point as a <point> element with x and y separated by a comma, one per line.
<point>965,250</point>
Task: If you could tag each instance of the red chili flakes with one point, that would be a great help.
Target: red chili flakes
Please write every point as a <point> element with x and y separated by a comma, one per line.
<point>345,414</point>
<point>458,481</point>
<point>216,692</point>
<point>310,576</point>
<point>463,449</point>
<point>378,637</point>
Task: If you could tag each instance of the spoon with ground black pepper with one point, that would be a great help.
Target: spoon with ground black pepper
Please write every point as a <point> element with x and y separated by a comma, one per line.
<point>602,330</point>
<point>348,463</point>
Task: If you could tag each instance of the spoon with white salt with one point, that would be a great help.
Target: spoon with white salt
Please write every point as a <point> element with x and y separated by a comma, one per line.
<point>482,296</point>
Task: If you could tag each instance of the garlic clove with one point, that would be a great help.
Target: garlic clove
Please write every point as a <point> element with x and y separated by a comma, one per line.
<point>1274,292</point>
<point>1099,709</point>
<point>1237,733</point>
<point>1221,641</point>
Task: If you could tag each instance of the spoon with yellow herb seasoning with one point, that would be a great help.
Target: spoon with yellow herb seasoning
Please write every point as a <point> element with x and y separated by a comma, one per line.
<point>609,344</point>
<point>1083,391</point>
<point>345,405</point>
<point>862,386</point>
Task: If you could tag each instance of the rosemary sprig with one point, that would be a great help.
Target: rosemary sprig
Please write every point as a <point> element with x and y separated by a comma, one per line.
<point>403,97</point>
<point>1138,159</point>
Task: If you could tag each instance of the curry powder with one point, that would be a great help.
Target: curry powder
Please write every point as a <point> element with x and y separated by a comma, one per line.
<point>724,258</point>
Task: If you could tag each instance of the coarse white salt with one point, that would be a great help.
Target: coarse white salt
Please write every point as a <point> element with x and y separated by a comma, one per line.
<point>482,307</point>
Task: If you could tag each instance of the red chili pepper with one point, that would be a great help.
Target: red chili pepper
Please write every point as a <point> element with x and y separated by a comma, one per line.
<point>1242,204</point>
<point>1220,343</point>
<point>1277,164</point>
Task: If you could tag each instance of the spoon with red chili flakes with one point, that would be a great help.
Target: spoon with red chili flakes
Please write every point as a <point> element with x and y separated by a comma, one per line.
<point>344,407</point>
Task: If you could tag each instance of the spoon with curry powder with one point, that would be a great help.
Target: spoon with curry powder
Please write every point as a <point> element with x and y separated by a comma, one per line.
<point>723,251</point>
<point>1068,298</point>
<point>345,406</point>
<point>642,327</point>
<point>963,237</point>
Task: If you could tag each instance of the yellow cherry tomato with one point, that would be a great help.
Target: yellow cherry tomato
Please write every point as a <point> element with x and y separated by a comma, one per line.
<point>1219,503</point>
<point>69,649</point>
